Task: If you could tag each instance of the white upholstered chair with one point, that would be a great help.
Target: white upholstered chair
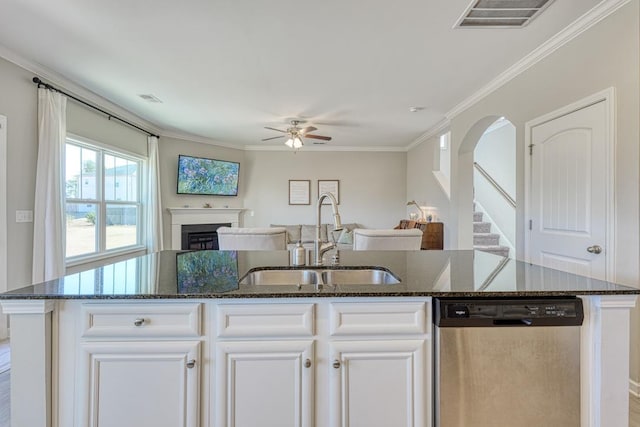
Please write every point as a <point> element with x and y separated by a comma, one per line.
<point>252,239</point>
<point>386,240</point>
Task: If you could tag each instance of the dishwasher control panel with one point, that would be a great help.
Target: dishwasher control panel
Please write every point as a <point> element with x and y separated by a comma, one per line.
<point>508,312</point>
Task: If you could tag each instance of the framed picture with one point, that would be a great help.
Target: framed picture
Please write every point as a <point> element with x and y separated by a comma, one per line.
<point>329,186</point>
<point>299,192</point>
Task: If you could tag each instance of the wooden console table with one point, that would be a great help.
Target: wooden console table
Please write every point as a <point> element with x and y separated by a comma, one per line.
<point>432,232</point>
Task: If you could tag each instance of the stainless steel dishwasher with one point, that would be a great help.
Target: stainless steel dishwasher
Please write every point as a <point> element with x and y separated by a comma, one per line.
<point>507,362</point>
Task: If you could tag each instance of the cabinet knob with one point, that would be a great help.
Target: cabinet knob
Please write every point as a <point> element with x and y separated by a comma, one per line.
<point>336,364</point>
<point>307,363</point>
<point>191,363</point>
<point>139,321</point>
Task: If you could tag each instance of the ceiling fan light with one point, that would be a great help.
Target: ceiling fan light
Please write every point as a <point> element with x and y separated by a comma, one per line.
<point>297,142</point>
<point>289,143</point>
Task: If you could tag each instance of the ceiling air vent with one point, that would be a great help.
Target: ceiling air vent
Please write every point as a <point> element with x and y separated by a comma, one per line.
<point>150,98</point>
<point>501,13</point>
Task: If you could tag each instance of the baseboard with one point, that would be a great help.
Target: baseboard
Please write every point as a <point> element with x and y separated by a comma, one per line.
<point>634,388</point>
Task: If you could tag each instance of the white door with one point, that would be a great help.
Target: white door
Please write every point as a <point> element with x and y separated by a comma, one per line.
<point>568,196</point>
<point>134,384</point>
<point>264,383</point>
<point>378,384</point>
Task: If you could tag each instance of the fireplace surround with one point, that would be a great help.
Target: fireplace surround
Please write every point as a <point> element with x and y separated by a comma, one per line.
<point>194,216</point>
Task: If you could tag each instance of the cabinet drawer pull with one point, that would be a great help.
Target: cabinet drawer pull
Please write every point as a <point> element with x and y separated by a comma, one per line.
<point>307,363</point>
<point>336,364</point>
<point>139,321</point>
<point>191,363</point>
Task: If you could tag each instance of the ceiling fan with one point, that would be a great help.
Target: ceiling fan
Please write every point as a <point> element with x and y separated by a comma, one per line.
<point>295,134</point>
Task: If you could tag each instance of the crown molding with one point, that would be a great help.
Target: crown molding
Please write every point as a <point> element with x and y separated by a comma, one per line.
<point>435,130</point>
<point>577,27</point>
<point>75,89</point>
<point>383,149</point>
<point>200,139</point>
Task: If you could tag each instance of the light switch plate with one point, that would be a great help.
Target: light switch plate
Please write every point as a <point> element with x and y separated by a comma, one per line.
<point>24,216</point>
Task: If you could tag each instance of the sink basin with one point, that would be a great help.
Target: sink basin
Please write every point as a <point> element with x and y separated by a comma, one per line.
<point>281,277</point>
<point>369,276</point>
<point>320,276</point>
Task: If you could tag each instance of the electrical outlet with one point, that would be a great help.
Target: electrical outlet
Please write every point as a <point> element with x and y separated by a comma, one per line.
<point>24,216</point>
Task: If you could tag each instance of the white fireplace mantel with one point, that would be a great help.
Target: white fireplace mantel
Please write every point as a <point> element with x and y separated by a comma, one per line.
<point>188,216</point>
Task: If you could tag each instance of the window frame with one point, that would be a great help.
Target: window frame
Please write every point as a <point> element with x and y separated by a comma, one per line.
<point>101,203</point>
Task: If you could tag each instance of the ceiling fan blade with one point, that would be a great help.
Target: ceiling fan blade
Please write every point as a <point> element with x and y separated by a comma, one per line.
<point>307,129</point>
<point>277,130</point>
<point>324,138</point>
<point>274,137</point>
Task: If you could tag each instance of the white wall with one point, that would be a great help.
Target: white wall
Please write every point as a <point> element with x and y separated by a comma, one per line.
<point>372,186</point>
<point>423,187</point>
<point>18,102</point>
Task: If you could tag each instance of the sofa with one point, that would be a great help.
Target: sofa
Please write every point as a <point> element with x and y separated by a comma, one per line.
<point>306,233</point>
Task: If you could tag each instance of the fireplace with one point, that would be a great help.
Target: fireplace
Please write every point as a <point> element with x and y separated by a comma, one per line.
<point>201,236</point>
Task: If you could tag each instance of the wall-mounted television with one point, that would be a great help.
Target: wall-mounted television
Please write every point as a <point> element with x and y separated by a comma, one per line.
<point>210,177</point>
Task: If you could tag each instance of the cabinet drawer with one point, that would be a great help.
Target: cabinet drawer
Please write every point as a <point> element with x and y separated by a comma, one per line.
<point>264,320</point>
<point>141,320</point>
<point>377,318</point>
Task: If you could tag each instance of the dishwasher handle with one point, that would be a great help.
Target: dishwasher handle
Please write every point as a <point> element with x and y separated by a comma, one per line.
<point>512,322</point>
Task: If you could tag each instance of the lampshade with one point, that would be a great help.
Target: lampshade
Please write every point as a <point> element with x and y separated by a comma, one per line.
<point>289,143</point>
<point>297,142</point>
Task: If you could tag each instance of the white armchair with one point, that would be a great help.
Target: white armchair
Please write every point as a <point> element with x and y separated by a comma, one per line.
<point>252,239</point>
<point>387,240</point>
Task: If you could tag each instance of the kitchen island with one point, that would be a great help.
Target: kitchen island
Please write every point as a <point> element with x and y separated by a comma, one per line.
<point>178,339</point>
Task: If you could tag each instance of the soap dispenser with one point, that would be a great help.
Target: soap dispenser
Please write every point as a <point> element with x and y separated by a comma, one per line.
<point>299,254</point>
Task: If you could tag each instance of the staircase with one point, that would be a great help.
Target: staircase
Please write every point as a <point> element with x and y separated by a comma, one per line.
<point>484,239</point>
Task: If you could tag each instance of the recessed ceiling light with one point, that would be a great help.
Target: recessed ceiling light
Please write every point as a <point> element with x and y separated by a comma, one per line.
<point>150,98</point>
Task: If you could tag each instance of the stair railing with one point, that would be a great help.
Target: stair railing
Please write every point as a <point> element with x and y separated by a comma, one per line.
<point>492,276</point>
<point>495,184</point>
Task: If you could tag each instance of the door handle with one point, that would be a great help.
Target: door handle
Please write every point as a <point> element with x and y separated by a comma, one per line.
<point>595,249</point>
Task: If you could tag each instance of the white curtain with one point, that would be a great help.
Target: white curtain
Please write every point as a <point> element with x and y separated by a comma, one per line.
<point>48,216</point>
<point>153,203</point>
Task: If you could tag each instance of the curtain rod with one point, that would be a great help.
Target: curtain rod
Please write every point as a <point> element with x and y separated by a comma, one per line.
<point>110,116</point>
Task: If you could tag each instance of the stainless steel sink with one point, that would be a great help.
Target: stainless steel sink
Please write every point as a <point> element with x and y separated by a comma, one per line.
<point>368,276</point>
<point>281,277</point>
<point>365,276</point>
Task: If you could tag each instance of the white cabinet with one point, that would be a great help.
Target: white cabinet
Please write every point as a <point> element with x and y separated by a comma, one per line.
<point>370,362</point>
<point>264,365</point>
<point>138,364</point>
<point>379,373</point>
<point>378,383</point>
<point>264,383</point>
<point>132,384</point>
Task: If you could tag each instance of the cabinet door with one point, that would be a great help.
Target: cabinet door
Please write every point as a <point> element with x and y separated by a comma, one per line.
<point>379,384</point>
<point>132,384</point>
<point>264,383</point>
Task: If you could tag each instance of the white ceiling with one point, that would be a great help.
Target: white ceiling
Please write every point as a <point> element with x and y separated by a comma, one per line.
<point>224,69</point>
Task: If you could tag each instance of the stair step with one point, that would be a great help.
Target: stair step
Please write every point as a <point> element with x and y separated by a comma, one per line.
<point>482,227</point>
<point>493,249</point>
<point>477,217</point>
<point>486,239</point>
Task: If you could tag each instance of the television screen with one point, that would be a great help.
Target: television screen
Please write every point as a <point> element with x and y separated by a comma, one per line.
<point>197,175</point>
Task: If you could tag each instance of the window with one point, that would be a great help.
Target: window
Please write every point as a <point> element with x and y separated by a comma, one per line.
<point>103,205</point>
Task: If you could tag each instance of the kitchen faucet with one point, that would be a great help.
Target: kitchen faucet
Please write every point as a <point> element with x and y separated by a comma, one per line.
<point>318,248</point>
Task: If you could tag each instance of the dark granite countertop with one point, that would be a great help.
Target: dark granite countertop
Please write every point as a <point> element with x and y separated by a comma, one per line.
<point>216,274</point>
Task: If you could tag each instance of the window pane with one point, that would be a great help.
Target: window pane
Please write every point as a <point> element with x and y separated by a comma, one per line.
<point>122,227</point>
<point>121,179</point>
<point>81,229</point>
<point>80,172</point>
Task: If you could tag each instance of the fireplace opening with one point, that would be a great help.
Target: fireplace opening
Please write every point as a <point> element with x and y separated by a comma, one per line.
<point>201,236</point>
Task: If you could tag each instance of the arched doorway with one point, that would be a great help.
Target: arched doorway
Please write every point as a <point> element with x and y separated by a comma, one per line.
<point>494,184</point>
<point>500,162</point>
